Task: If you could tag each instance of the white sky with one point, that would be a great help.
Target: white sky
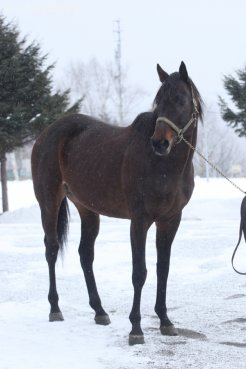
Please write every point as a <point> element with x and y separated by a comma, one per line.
<point>210,36</point>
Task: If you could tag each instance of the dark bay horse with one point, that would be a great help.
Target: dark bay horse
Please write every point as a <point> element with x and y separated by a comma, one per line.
<point>142,172</point>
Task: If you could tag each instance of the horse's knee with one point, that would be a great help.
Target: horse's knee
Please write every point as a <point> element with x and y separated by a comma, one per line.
<point>139,277</point>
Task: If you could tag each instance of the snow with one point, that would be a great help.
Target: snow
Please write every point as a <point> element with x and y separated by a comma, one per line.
<point>206,298</point>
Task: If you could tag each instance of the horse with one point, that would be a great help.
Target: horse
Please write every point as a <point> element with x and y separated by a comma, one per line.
<point>142,172</point>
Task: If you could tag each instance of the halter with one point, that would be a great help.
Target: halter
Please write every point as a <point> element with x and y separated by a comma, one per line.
<point>180,131</point>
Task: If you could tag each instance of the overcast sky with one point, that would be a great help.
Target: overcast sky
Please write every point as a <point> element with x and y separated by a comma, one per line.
<point>210,36</point>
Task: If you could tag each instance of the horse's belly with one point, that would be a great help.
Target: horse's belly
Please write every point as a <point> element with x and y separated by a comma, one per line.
<point>94,178</point>
<point>97,198</point>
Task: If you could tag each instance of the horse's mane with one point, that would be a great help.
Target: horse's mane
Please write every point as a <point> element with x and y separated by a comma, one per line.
<point>198,99</point>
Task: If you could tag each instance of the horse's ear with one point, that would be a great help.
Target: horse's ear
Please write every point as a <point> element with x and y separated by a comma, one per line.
<point>161,73</point>
<point>183,72</point>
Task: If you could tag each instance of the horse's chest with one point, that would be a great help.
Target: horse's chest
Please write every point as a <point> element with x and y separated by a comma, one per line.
<point>165,197</point>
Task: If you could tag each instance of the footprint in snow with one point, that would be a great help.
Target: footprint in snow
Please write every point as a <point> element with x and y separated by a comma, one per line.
<point>235,344</point>
<point>237,320</point>
<point>237,296</point>
<point>188,333</point>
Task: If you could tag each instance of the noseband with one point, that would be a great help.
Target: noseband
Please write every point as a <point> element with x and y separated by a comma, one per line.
<point>180,131</point>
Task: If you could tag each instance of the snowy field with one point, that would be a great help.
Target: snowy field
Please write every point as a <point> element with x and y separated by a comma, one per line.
<point>206,298</point>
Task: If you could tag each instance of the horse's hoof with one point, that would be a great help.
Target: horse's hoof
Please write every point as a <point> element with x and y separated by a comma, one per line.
<point>136,339</point>
<point>56,317</point>
<point>102,319</point>
<point>169,330</point>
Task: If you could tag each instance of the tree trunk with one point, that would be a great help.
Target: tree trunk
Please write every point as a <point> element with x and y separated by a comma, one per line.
<point>3,161</point>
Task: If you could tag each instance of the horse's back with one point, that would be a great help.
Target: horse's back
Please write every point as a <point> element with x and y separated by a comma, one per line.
<point>66,128</point>
<point>60,133</point>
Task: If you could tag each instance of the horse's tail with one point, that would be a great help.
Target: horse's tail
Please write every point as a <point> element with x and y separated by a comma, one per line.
<point>63,224</point>
<point>242,231</point>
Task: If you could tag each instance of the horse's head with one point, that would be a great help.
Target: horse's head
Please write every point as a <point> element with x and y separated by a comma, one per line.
<point>177,106</point>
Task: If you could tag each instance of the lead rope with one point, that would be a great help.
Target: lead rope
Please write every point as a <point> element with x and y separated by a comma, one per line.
<point>212,165</point>
<point>243,206</point>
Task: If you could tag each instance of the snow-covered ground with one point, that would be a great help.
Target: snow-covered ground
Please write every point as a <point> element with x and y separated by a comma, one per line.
<point>206,298</point>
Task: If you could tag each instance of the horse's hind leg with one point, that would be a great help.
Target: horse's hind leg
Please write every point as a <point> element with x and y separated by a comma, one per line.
<point>89,231</point>
<point>49,220</point>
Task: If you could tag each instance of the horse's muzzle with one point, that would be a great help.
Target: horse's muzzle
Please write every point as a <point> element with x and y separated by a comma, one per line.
<point>160,147</point>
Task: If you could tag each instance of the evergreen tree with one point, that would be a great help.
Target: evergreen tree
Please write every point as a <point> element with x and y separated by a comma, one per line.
<point>236,88</point>
<point>27,100</point>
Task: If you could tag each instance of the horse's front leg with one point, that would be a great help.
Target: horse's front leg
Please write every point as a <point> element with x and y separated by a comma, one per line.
<point>165,234</point>
<point>139,230</point>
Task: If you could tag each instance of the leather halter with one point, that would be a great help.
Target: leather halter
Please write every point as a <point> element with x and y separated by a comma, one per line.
<point>180,131</point>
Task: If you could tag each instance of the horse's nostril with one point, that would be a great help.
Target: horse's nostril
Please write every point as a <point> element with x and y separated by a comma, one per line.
<point>164,143</point>
<point>160,145</point>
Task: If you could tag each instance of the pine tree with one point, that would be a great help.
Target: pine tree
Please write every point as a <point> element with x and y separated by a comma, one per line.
<point>236,88</point>
<point>27,101</point>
